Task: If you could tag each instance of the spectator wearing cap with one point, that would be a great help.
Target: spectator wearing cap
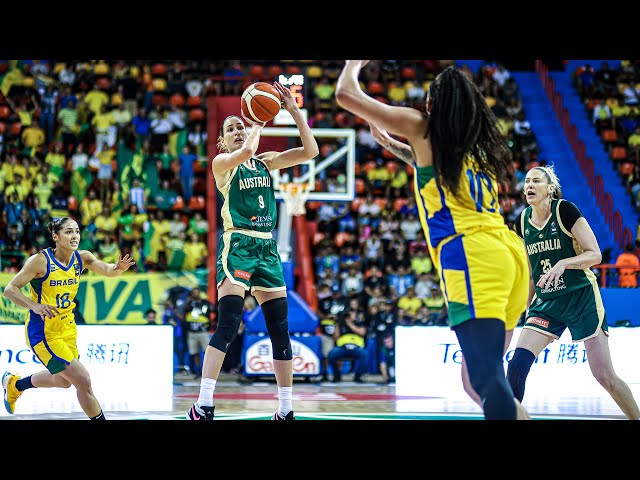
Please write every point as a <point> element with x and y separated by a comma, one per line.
<point>437,305</point>
<point>409,302</point>
<point>350,338</point>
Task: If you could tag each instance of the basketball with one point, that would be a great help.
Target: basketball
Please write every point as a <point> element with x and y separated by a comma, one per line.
<point>260,102</point>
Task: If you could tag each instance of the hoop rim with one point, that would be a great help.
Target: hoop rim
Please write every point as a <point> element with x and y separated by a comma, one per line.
<point>294,188</point>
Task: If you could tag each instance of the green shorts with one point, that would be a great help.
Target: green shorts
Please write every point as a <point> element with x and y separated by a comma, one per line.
<point>582,311</point>
<point>250,262</point>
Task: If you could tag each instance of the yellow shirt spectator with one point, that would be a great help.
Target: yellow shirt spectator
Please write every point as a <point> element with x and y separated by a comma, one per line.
<point>378,173</point>
<point>410,303</point>
<point>19,189</point>
<point>95,99</point>
<point>137,226</point>
<point>106,156</point>
<point>324,91</point>
<point>50,179</point>
<point>33,138</point>
<point>7,171</point>
<point>106,225</point>
<point>159,237</point>
<point>102,121</point>
<point>436,301</point>
<point>396,93</point>
<point>90,208</point>
<point>43,192</point>
<point>195,253</point>
<point>57,161</point>
<point>34,170</point>
<point>25,118</point>
<point>620,110</point>
<point>109,251</point>
<point>400,178</point>
<point>634,140</point>
<point>19,169</point>
<point>421,264</point>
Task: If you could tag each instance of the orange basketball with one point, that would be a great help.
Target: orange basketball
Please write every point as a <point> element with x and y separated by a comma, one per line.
<point>260,102</point>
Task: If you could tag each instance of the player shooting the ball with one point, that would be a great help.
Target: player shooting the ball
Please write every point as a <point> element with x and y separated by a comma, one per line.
<point>248,257</point>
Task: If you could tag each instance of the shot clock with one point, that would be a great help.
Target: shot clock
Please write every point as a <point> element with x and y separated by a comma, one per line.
<point>297,85</point>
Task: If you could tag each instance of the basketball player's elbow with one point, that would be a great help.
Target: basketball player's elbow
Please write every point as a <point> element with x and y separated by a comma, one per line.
<point>246,152</point>
<point>11,292</point>
<point>345,98</point>
<point>311,151</point>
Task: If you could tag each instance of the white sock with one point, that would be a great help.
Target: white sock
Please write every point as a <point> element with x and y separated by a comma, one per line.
<point>207,386</point>
<point>284,396</point>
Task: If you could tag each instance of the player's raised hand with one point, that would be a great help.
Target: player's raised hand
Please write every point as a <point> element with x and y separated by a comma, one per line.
<point>379,135</point>
<point>45,311</point>
<point>125,262</point>
<point>288,102</point>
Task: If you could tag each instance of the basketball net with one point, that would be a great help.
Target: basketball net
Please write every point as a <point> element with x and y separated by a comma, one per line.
<point>295,195</point>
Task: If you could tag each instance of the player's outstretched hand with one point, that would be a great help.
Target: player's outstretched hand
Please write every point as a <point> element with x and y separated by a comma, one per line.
<point>125,262</point>
<point>379,135</point>
<point>288,102</point>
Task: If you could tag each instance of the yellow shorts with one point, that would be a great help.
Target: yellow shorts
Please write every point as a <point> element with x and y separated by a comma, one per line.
<point>485,275</point>
<point>53,341</point>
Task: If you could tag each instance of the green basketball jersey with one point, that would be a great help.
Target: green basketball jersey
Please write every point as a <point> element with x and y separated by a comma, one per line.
<point>249,199</point>
<point>546,246</point>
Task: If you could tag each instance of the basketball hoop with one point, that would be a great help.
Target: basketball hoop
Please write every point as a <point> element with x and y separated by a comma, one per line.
<point>295,195</point>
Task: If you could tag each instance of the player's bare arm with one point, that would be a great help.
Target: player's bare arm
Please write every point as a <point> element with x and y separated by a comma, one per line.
<point>398,148</point>
<point>404,121</point>
<point>90,261</point>
<point>34,267</point>
<point>590,256</point>
<point>294,156</point>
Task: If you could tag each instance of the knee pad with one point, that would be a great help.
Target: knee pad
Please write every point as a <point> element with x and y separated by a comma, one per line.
<point>518,369</point>
<point>276,314</point>
<point>230,309</point>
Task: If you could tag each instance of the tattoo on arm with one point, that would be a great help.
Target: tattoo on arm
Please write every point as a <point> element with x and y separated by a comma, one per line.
<point>402,153</point>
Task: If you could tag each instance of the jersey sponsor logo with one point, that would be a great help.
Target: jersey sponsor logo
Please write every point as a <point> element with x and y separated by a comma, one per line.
<point>242,274</point>
<point>526,231</point>
<point>544,246</point>
<point>561,286</point>
<point>76,269</point>
<point>538,321</point>
<point>62,283</point>
<point>261,220</point>
<point>554,229</point>
<point>255,182</point>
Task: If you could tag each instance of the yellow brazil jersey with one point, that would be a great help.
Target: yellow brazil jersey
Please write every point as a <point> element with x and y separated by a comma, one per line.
<point>444,216</point>
<point>57,288</point>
